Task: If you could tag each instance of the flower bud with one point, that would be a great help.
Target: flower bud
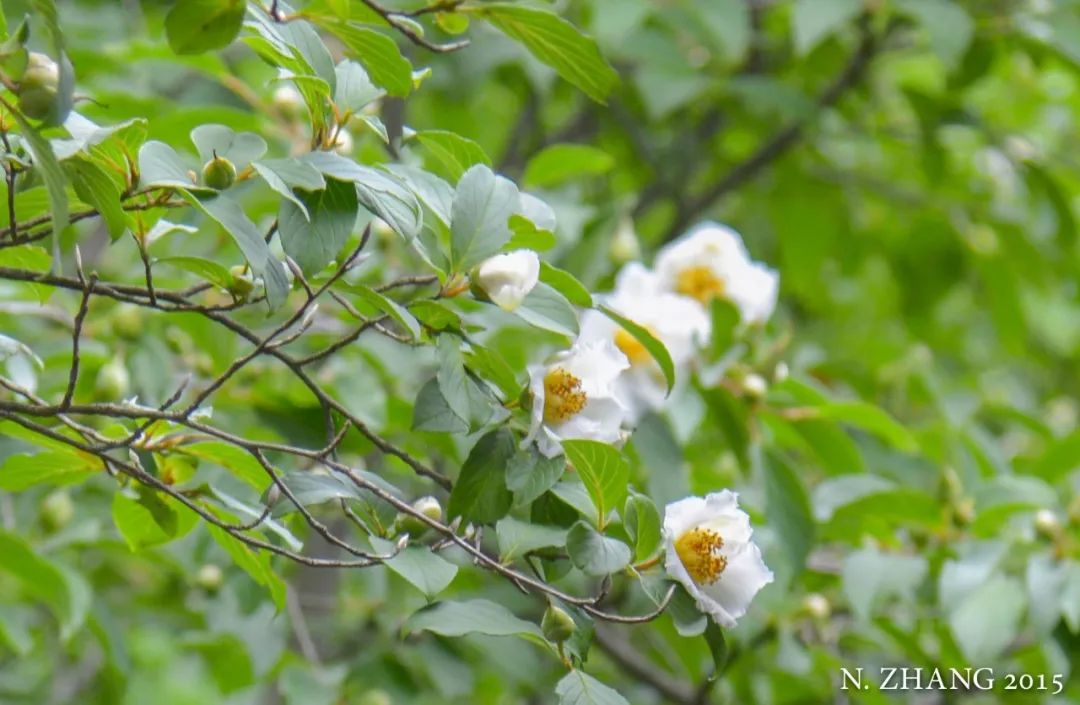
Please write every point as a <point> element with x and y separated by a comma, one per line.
<point>241,283</point>
<point>429,507</point>
<point>1047,523</point>
<point>288,101</point>
<point>113,380</point>
<point>38,87</point>
<point>817,606</point>
<point>781,372</point>
<point>57,510</point>
<point>343,142</point>
<point>557,625</point>
<point>755,386</point>
<point>506,279</point>
<point>219,173</point>
<point>127,321</point>
<point>209,577</point>
<point>624,245</point>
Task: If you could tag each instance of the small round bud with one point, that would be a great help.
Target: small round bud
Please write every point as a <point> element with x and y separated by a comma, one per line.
<point>781,372</point>
<point>817,605</point>
<point>113,380</point>
<point>241,283</point>
<point>219,173</point>
<point>57,510</point>
<point>273,495</point>
<point>624,244</point>
<point>557,625</point>
<point>38,87</point>
<point>127,321</point>
<point>209,577</point>
<point>755,386</point>
<point>429,507</point>
<point>288,101</point>
<point>1047,523</point>
<point>343,142</point>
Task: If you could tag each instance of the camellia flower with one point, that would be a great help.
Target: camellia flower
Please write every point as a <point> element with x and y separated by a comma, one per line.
<point>708,548</point>
<point>679,322</point>
<point>709,262</point>
<point>506,279</point>
<point>574,396</point>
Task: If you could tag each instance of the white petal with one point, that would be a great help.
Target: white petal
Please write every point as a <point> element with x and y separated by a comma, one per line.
<point>741,580</point>
<point>508,278</point>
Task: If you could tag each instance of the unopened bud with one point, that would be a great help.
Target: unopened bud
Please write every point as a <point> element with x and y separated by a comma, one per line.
<point>557,625</point>
<point>288,101</point>
<point>209,577</point>
<point>343,142</point>
<point>781,372</point>
<point>506,279</point>
<point>624,245</point>
<point>241,283</point>
<point>817,605</point>
<point>57,510</point>
<point>38,87</point>
<point>755,385</point>
<point>1047,523</point>
<point>219,173</point>
<point>428,507</point>
<point>113,380</point>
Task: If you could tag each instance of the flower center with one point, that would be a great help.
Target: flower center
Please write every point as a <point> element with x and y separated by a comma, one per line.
<point>563,397</point>
<point>699,282</point>
<point>699,551</point>
<point>632,347</point>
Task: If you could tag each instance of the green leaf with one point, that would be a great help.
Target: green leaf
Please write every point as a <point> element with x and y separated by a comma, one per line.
<point>655,348</point>
<point>530,474</point>
<point>493,367</point>
<point>461,393</point>
<point>64,592</point>
<point>378,53</point>
<point>593,553</point>
<point>150,520</point>
<point>714,637</point>
<point>814,20</point>
<point>354,88</point>
<point>870,577</point>
<point>211,271</point>
<point>431,412</point>
<point>226,658</point>
<point>424,570</point>
<point>94,186</point>
<point>546,308</point>
<point>516,538</point>
<point>380,192</point>
<point>563,162</point>
<point>988,620</point>
<point>872,419</point>
<point>480,493</point>
<point>240,148</point>
<point>236,460</point>
<point>456,154</point>
<point>604,471</point>
<point>642,520</point>
<point>230,216</point>
<point>197,26</point>
<point>316,242</point>
<point>17,472</point>
<point>788,509</point>
<point>471,617</point>
<point>255,564</point>
<point>483,204</point>
<point>557,43</point>
<point>579,688</point>
<point>284,175</point>
<point>435,316</point>
<point>566,284</point>
<point>949,25</point>
<point>160,165</point>
<point>391,308</point>
<point>48,167</point>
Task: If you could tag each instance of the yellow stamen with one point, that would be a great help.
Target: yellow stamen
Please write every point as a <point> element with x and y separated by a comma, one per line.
<point>699,282</point>
<point>563,397</point>
<point>699,551</point>
<point>635,352</point>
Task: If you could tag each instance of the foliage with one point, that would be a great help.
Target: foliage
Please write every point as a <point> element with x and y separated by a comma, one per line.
<point>242,346</point>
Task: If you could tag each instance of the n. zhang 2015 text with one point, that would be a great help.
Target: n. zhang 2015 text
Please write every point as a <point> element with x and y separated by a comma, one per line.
<point>960,679</point>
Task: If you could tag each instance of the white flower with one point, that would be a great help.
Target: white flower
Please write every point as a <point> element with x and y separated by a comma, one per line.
<point>508,278</point>
<point>708,549</point>
<point>710,261</point>
<point>679,322</point>
<point>574,396</point>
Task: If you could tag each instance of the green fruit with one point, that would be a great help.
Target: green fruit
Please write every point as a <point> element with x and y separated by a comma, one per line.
<point>57,510</point>
<point>39,85</point>
<point>557,625</point>
<point>209,577</point>
<point>219,173</point>
<point>127,321</point>
<point>113,380</point>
